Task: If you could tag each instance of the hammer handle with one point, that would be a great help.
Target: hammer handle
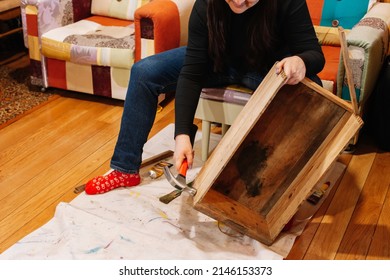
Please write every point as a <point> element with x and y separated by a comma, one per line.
<point>183,168</point>
<point>184,165</point>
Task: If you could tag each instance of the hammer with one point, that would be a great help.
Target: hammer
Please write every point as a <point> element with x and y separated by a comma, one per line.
<point>179,182</point>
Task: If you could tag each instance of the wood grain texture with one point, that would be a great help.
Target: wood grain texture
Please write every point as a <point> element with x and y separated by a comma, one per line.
<point>364,221</point>
<point>303,241</point>
<point>376,190</point>
<point>295,134</point>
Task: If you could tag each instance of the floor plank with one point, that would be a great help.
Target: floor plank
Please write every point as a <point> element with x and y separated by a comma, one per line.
<point>380,245</point>
<point>302,243</point>
<point>361,228</point>
<point>331,231</point>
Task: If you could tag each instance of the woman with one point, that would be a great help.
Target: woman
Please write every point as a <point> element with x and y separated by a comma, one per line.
<point>229,42</point>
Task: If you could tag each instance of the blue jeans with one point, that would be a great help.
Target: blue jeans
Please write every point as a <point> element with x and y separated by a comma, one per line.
<point>149,77</point>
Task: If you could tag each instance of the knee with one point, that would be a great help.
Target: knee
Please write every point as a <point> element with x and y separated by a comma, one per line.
<point>146,69</point>
<point>138,68</point>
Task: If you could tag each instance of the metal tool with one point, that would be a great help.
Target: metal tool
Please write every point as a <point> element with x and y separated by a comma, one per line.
<point>179,182</point>
<point>158,169</point>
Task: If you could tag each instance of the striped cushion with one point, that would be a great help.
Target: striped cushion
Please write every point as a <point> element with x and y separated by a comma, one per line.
<point>122,9</point>
<point>98,80</point>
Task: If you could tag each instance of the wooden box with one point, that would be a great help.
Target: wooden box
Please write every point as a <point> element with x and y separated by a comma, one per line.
<point>282,142</point>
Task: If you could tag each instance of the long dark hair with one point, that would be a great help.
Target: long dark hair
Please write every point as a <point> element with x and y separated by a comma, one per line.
<point>260,32</point>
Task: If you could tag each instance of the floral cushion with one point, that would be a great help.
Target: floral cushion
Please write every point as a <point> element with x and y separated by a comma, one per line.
<point>92,41</point>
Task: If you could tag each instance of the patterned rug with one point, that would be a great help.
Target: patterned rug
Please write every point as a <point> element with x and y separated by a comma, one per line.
<point>17,97</point>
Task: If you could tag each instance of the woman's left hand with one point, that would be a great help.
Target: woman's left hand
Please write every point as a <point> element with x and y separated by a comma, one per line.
<point>293,67</point>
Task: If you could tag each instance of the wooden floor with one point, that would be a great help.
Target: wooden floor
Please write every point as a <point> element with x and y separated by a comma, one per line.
<point>48,152</point>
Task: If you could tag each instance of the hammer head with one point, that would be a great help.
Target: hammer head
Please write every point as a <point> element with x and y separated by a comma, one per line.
<point>179,182</point>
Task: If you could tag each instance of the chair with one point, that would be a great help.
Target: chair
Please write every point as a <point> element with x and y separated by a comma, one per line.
<point>219,105</point>
<point>89,46</point>
<point>367,39</point>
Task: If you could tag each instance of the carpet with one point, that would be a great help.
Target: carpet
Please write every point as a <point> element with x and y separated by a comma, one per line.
<point>17,98</point>
<point>131,223</point>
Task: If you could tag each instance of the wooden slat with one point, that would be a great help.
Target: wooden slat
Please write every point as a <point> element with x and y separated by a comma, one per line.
<point>2,35</point>
<point>348,72</point>
<point>10,14</point>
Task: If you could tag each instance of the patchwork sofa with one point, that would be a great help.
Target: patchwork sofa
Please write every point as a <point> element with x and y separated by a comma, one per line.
<point>89,46</point>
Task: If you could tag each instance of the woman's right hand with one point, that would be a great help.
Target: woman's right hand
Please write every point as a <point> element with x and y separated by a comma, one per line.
<point>183,150</point>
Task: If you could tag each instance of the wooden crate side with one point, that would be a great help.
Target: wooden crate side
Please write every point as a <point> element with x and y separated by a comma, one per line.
<point>325,156</point>
<point>277,149</point>
<point>237,132</point>
<point>235,215</point>
<point>328,95</point>
<point>266,228</point>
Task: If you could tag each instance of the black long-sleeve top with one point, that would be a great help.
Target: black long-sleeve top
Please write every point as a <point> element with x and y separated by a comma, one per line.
<point>296,33</point>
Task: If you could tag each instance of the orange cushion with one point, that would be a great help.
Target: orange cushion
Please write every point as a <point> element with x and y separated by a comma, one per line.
<point>332,58</point>
<point>315,9</point>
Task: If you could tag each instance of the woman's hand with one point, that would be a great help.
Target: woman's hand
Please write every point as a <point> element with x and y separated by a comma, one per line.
<point>293,67</point>
<point>183,149</point>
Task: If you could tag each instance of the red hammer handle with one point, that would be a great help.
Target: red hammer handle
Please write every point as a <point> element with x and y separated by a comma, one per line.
<point>183,168</point>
